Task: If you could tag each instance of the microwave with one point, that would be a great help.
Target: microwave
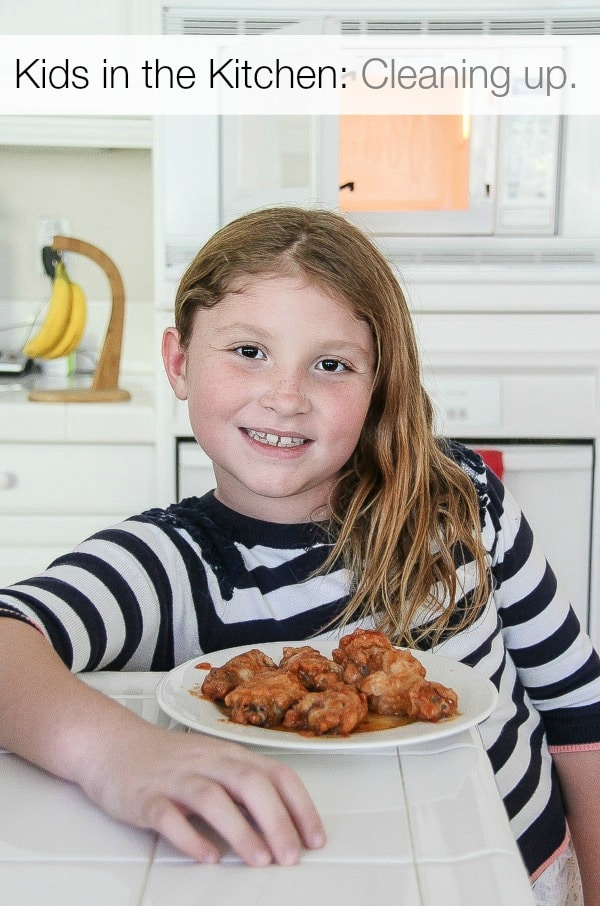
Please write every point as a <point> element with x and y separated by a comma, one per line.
<point>499,176</point>
<point>400,175</point>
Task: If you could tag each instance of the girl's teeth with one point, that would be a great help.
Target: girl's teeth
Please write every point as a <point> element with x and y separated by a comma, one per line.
<point>275,440</point>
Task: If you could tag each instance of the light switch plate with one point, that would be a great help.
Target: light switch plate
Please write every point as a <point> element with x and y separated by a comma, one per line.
<point>46,228</point>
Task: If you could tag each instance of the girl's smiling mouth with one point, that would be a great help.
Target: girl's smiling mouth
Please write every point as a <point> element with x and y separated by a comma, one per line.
<point>275,440</point>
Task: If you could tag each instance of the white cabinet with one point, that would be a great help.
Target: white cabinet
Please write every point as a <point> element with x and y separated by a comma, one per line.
<point>52,496</point>
<point>76,131</point>
<point>195,474</point>
<point>186,190</point>
<point>68,470</point>
<point>69,17</point>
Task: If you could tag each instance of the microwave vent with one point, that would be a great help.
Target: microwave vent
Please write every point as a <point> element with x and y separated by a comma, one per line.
<point>191,22</point>
<point>517,27</point>
<point>188,22</point>
<point>521,25</point>
<point>496,258</point>
<point>576,26</point>
<point>455,27</point>
<point>185,21</point>
<point>192,25</point>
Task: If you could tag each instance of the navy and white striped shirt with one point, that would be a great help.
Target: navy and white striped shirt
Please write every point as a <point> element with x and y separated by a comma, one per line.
<point>169,585</point>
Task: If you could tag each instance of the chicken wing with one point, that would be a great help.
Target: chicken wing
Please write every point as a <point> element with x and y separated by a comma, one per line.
<point>432,701</point>
<point>219,681</point>
<point>360,653</point>
<point>312,668</point>
<point>400,688</point>
<point>263,700</point>
<point>337,710</point>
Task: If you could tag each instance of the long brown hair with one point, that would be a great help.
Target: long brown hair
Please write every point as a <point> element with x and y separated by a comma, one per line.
<point>402,508</point>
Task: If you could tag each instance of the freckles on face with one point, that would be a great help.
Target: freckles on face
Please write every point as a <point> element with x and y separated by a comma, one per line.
<point>278,378</point>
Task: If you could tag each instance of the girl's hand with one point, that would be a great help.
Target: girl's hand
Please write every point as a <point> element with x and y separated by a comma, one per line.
<point>145,775</point>
<point>157,779</point>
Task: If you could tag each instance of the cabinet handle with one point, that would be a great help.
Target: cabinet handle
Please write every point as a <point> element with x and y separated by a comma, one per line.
<point>8,480</point>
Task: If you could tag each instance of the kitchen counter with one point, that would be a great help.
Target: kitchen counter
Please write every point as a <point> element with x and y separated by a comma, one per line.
<point>23,421</point>
<point>424,821</point>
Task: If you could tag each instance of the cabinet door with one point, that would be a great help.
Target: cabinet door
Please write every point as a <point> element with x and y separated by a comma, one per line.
<point>31,543</point>
<point>68,479</point>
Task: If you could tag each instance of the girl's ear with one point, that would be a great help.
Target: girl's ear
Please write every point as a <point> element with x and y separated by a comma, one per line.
<point>174,362</point>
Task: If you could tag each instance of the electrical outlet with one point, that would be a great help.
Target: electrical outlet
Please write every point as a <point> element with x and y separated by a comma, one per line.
<point>46,228</point>
<point>466,403</point>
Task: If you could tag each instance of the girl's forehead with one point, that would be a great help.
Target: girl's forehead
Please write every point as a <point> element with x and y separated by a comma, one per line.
<point>277,284</point>
<point>264,280</point>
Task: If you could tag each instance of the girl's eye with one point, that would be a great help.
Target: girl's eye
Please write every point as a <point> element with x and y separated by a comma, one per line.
<point>250,352</point>
<point>333,366</point>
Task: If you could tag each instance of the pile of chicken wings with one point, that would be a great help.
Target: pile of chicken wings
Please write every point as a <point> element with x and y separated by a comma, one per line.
<point>311,693</point>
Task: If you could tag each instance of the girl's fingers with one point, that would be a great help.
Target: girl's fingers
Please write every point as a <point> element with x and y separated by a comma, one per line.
<point>211,802</point>
<point>172,824</point>
<point>300,806</point>
<point>279,805</point>
<point>208,800</point>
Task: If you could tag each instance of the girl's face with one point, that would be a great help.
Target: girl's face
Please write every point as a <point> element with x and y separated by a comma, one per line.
<point>278,378</point>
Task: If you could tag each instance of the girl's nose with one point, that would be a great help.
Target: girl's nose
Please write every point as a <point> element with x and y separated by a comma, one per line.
<point>287,397</point>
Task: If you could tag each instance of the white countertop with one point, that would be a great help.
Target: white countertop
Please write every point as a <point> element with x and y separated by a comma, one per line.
<point>23,421</point>
<point>425,821</point>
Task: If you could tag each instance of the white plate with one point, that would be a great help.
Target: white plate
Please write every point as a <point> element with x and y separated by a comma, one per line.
<point>477,698</point>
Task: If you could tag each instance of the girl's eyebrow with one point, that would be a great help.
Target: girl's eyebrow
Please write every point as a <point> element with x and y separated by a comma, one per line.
<point>237,326</point>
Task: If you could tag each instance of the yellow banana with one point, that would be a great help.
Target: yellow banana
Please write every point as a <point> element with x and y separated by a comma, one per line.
<point>57,317</point>
<point>71,338</point>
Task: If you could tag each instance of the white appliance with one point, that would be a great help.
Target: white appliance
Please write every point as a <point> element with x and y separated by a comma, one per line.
<point>528,176</point>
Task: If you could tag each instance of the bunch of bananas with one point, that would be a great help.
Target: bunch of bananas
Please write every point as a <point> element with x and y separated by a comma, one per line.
<point>63,326</point>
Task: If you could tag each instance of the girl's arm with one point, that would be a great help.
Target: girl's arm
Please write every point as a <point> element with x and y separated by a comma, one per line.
<point>579,772</point>
<point>148,776</point>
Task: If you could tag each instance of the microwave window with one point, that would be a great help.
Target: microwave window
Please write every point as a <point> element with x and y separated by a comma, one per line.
<point>404,163</point>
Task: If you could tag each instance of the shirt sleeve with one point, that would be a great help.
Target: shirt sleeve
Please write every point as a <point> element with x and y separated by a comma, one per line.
<point>554,657</point>
<point>109,603</point>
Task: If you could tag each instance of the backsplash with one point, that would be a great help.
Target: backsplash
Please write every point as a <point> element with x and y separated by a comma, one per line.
<point>106,195</point>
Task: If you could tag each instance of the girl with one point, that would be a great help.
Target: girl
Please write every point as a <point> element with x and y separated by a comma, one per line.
<point>335,506</point>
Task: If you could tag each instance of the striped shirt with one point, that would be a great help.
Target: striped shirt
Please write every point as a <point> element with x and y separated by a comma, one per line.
<point>168,585</point>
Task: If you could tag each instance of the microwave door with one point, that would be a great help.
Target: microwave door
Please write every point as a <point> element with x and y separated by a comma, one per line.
<point>417,175</point>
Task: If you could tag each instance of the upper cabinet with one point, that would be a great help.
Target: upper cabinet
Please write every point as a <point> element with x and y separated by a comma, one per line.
<point>70,17</point>
<point>77,131</point>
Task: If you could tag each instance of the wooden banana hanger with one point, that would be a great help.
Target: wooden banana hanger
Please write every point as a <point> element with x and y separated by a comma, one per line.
<point>105,382</point>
